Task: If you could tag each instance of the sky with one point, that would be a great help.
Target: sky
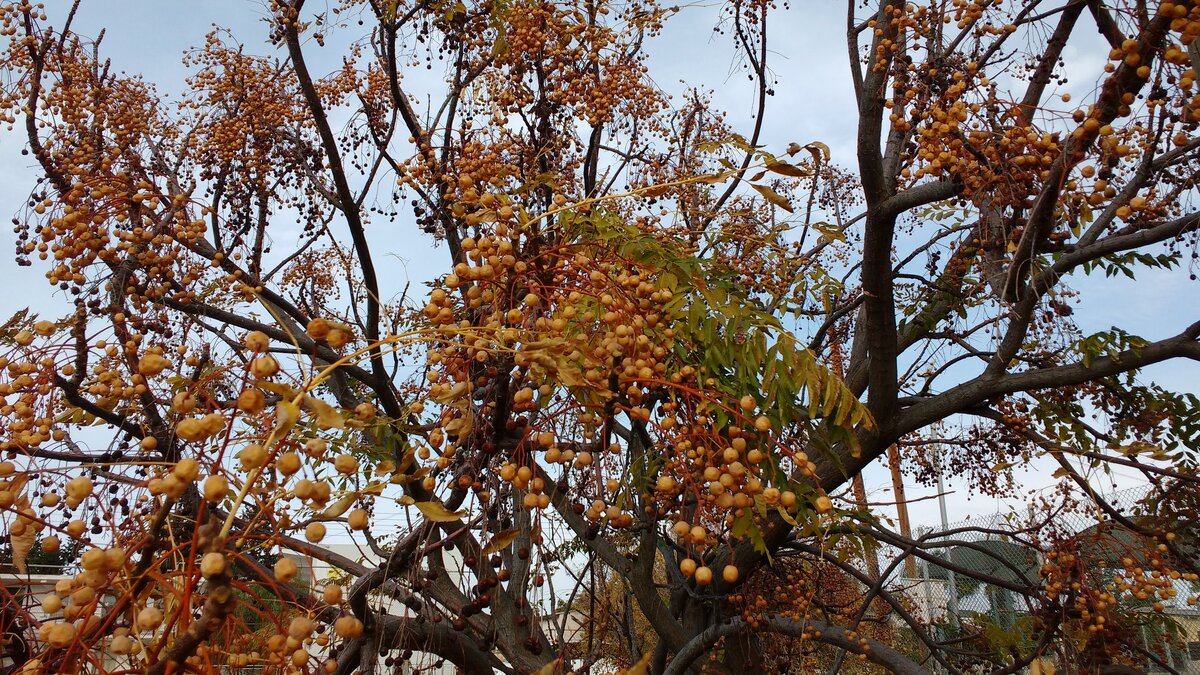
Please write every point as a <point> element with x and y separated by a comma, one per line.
<point>813,101</point>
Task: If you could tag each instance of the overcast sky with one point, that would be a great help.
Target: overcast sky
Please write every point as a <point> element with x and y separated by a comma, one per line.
<point>813,101</point>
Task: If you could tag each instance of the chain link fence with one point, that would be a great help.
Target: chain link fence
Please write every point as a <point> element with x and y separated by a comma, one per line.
<point>965,582</point>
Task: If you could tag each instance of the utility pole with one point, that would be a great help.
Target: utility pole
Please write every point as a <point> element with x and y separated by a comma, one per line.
<point>860,497</point>
<point>952,578</point>
<point>859,488</point>
<point>893,455</point>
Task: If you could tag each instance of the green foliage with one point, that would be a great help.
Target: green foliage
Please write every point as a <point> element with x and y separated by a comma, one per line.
<point>739,343</point>
<point>1124,263</point>
<point>19,321</point>
<point>1108,343</point>
<point>39,561</point>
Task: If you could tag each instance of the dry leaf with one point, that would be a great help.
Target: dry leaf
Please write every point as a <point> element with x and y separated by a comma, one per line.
<point>787,169</point>
<point>773,197</point>
<point>25,537</point>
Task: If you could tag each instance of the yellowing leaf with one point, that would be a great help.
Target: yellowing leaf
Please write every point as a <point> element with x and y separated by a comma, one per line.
<point>738,141</point>
<point>501,541</point>
<point>286,416</point>
<point>438,513</point>
<point>339,507</point>
<point>773,197</point>
<point>327,416</point>
<point>406,478</point>
<point>278,388</point>
<point>407,459</point>
<point>460,426</point>
<point>643,664</point>
<point>829,398</point>
<point>16,485</point>
<point>1138,448</point>
<point>571,377</point>
<point>846,403</point>
<point>549,668</point>
<point>830,232</point>
<point>787,517</point>
<point>456,391</point>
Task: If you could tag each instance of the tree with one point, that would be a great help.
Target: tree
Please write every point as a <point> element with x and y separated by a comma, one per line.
<point>654,338</point>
